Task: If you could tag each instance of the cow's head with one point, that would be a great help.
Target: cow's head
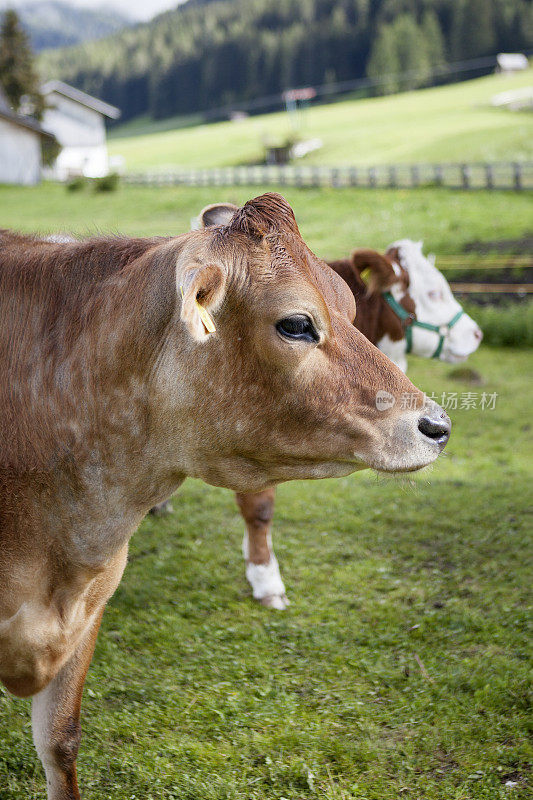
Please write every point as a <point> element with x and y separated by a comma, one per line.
<point>281,385</point>
<point>440,329</point>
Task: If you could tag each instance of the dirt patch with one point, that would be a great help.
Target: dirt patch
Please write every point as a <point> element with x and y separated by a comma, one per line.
<point>466,375</point>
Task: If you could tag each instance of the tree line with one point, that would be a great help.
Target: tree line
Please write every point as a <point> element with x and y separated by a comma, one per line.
<point>19,79</point>
<point>210,53</point>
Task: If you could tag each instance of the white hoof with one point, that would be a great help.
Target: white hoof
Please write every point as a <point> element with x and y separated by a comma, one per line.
<point>266,583</point>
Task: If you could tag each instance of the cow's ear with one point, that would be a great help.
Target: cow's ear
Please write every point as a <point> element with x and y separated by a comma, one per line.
<point>216,214</point>
<point>201,290</point>
<point>376,270</point>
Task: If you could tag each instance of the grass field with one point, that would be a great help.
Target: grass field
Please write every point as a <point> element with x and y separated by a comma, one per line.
<point>449,123</point>
<point>195,693</point>
<point>333,221</point>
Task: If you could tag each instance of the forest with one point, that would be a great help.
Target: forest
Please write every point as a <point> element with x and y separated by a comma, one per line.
<point>208,54</point>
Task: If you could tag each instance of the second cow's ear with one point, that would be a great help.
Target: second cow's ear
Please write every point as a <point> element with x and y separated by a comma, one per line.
<point>201,289</point>
<point>376,270</point>
<point>217,214</point>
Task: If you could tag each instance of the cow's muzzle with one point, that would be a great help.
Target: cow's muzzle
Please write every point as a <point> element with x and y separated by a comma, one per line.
<point>436,425</point>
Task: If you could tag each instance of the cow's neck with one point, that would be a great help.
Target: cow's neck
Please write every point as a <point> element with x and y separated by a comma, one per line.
<point>125,458</point>
<point>100,464</point>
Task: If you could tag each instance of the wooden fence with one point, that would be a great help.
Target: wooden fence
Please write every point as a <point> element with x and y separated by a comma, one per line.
<point>517,176</point>
<point>480,261</point>
<point>492,288</point>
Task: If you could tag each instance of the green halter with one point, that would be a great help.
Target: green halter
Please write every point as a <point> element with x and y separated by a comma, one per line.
<point>409,321</point>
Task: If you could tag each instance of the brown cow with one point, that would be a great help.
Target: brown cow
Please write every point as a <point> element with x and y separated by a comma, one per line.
<point>226,354</point>
<point>404,304</point>
<point>377,321</point>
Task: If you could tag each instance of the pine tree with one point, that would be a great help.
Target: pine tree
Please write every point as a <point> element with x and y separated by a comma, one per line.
<point>18,76</point>
<point>473,32</point>
<point>412,51</point>
<point>184,61</point>
<point>431,29</point>
<point>383,65</point>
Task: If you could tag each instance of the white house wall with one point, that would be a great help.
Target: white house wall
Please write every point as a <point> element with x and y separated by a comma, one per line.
<point>20,154</point>
<point>81,133</point>
<point>72,124</point>
<point>92,162</point>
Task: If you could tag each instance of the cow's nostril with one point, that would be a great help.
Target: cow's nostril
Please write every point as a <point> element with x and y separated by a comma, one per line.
<point>437,428</point>
<point>478,333</point>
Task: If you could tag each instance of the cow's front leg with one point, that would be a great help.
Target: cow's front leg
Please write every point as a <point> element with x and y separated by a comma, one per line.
<point>56,720</point>
<point>262,568</point>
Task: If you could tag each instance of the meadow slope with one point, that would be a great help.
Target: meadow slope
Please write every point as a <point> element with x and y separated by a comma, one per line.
<point>448,123</point>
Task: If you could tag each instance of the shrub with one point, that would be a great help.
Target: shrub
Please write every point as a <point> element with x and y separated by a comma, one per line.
<point>508,325</point>
<point>109,183</point>
<point>76,184</point>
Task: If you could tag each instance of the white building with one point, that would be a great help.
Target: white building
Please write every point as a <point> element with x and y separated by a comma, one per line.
<point>21,141</point>
<point>77,121</point>
<point>509,63</point>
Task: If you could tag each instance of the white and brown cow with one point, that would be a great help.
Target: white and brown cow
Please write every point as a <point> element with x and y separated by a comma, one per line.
<point>404,304</point>
<point>226,354</point>
<point>440,328</point>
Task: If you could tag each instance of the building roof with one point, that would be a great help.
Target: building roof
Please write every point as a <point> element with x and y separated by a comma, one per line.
<point>81,97</point>
<point>6,112</point>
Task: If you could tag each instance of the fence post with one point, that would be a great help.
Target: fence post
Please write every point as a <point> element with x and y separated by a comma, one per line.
<point>465,176</point>
<point>353,176</point>
<point>372,176</point>
<point>517,176</point>
<point>489,176</point>
<point>334,178</point>
<point>393,177</point>
<point>439,175</point>
<point>415,175</point>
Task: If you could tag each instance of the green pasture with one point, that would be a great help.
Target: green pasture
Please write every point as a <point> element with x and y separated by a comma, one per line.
<point>400,671</point>
<point>333,221</point>
<point>448,123</point>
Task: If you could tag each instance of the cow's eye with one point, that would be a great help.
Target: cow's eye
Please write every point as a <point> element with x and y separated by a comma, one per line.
<point>434,294</point>
<point>297,327</point>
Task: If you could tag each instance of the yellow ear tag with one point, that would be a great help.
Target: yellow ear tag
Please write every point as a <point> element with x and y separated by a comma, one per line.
<point>206,318</point>
<point>365,275</point>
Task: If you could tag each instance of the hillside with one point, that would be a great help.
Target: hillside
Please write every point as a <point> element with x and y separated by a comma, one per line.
<point>53,24</point>
<point>197,58</point>
<point>448,123</point>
